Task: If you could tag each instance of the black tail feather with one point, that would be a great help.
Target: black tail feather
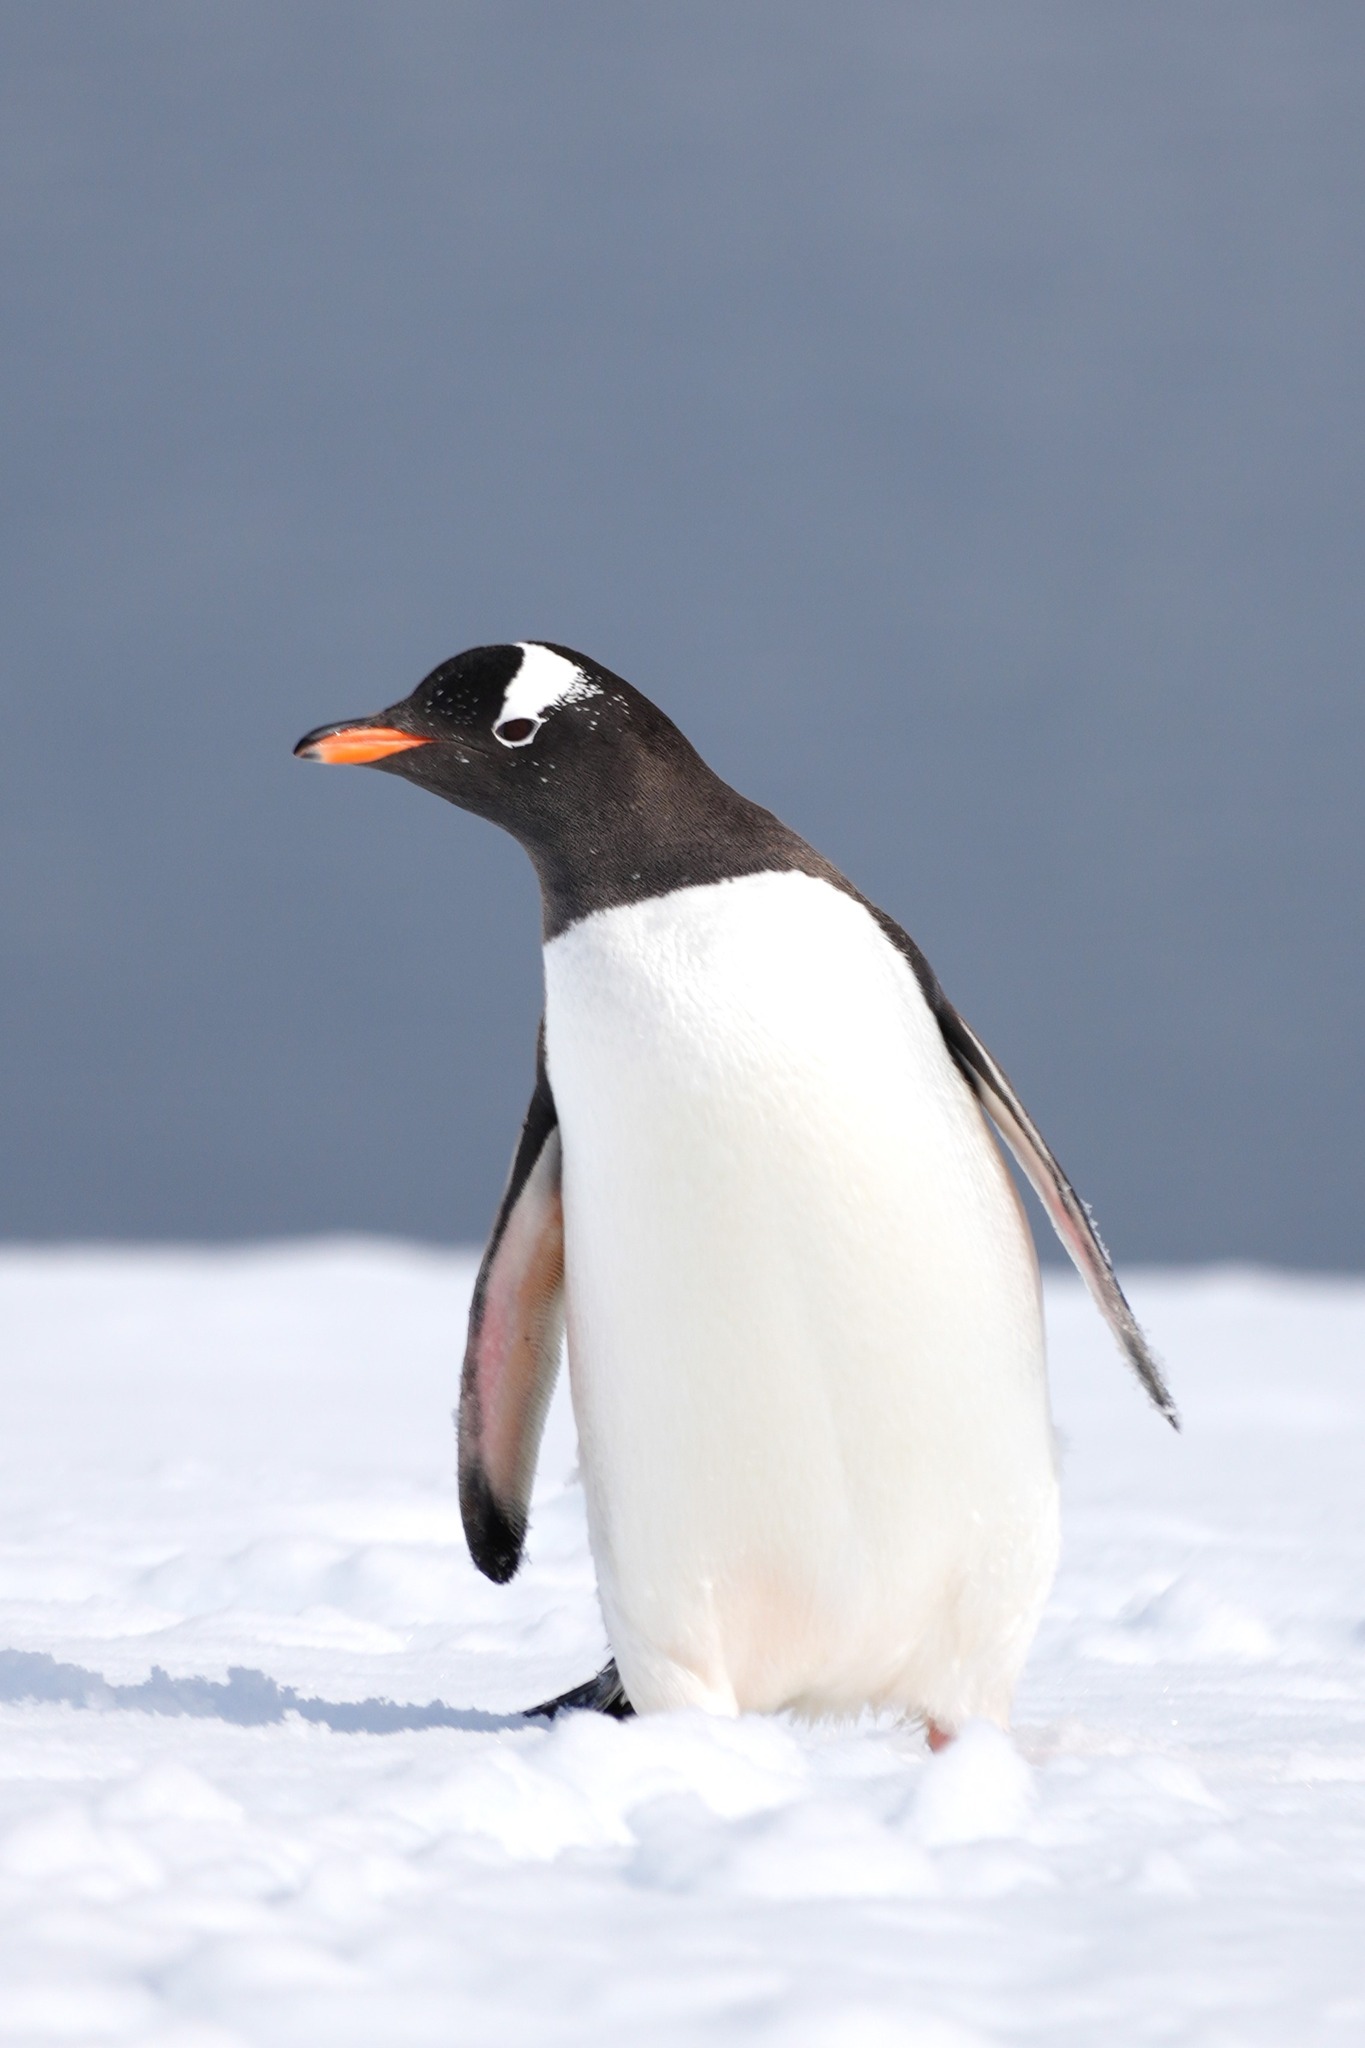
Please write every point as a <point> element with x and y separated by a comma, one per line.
<point>604,1694</point>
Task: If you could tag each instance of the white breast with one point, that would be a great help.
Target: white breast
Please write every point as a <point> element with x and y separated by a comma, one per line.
<point>805,1336</point>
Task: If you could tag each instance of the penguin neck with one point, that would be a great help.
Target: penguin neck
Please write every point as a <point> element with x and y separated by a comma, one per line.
<point>653,834</point>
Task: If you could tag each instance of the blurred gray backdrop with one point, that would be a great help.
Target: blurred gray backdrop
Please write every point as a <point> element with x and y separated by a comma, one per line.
<point>951,413</point>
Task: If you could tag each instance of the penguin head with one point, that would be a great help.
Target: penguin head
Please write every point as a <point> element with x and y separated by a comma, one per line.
<point>491,701</point>
<point>520,733</point>
<point>602,790</point>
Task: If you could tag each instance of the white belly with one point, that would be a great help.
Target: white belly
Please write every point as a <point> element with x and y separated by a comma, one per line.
<point>805,1333</point>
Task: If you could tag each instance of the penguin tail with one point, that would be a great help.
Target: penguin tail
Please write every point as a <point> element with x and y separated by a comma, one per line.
<point>604,1694</point>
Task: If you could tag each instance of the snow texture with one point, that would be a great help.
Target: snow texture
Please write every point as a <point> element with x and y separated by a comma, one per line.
<point>229,1544</point>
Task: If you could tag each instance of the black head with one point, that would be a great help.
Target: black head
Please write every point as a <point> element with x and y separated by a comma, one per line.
<point>471,727</point>
<point>603,791</point>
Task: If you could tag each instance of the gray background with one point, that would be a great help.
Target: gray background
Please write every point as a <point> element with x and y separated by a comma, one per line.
<point>951,413</point>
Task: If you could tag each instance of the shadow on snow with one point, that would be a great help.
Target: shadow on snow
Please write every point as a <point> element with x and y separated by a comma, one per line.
<point>249,1698</point>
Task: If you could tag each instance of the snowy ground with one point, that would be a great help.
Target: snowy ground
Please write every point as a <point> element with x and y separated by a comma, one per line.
<point>245,1459</point>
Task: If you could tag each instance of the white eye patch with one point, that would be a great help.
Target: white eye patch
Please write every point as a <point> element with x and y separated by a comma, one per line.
<point>544,681</point>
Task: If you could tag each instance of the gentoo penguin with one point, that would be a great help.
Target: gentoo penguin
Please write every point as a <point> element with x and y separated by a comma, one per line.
<point>758,1179</point>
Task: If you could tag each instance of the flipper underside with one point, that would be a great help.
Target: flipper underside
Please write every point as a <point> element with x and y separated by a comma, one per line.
<point>516,1326</point>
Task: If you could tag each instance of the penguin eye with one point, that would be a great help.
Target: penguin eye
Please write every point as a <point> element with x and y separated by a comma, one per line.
<point>517,732</point>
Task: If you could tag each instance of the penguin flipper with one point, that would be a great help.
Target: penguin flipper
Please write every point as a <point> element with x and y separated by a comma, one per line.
<point>516,1325</point>
<point>1066,1211</point>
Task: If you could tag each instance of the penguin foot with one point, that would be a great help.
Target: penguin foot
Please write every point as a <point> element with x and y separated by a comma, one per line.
<point>936,1737</point>
<point>604,1694</point>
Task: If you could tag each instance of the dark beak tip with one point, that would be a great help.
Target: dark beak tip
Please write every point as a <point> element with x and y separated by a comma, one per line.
<point>306,748</point>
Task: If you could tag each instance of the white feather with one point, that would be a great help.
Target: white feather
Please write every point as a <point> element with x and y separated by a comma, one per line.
<point>544,681</point>
<point>805,1332</point>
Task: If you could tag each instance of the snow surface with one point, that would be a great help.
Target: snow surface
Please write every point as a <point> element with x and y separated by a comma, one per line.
<point>245,1459</point>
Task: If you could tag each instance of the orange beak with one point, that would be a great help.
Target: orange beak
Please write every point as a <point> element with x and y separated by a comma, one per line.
<point>353,745</point>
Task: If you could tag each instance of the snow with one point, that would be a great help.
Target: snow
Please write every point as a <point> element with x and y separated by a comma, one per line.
<point>245,1459</point>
